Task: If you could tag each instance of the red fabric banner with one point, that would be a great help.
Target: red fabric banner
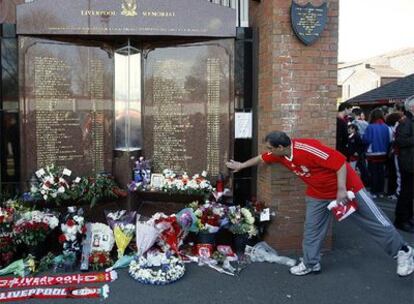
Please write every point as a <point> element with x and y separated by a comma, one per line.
<point>55,293</point>
<point>69,279</point>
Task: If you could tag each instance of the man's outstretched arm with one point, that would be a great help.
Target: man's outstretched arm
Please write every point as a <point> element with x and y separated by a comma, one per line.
<point>237,166</point>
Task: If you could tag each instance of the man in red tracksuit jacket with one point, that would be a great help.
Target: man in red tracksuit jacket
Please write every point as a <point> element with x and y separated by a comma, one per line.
<point>329,177</point>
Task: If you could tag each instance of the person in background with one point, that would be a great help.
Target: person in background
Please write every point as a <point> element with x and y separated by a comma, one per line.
<point>355,146</point>
<point>360,120</point>
<point>404,141</point>
<point>377,137</point>
<point>344,110</point>
<point>362,125</point>
<point>328,177</point>
<point>391,120</point>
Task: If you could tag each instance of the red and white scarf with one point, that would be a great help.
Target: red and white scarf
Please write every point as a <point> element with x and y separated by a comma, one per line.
<point>69,279</point>
<point>55,293</point>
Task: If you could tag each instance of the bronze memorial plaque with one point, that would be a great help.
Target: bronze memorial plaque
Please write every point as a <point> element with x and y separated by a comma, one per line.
<point>66,104</point>
<point>187,107</point>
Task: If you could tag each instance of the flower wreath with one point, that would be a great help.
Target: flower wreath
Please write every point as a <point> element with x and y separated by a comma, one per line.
<point>145,271</point>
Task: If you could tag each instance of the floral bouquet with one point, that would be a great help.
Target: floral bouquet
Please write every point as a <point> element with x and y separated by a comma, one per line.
<point>95,189</point>
<point>123,235</point>
<point>6,219</point>
<point>51,185</point>
<point>210,216</point>
<point>121,222</point>
<point>33,227</point>
<point>7,250</point>
<point>21,268</point>
<point>171,235</point>
<point>241,221</point>
<point>120,216</point>
<point>261,213</point>
<point>99,260</point>
<point>196,185</point>
<point>72,227</point>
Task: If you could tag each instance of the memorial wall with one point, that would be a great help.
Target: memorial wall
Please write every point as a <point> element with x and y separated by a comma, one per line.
<point>67,76</point>
<point>67,106</point>
<point>187,107</point>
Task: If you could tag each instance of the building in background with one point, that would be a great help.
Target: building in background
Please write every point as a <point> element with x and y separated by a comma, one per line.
<point>388,94</point>
<point>356,78</point>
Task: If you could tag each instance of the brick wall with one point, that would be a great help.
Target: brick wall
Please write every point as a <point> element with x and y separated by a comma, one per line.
<point>297,94</point>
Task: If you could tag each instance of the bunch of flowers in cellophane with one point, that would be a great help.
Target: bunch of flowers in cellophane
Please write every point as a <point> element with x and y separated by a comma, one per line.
<point>241,221</point>
<point>261,213</point>
<point>73,228</point>
<point>210,216</point>
<point>51,185</point>
<point>159,265</point>
<point>94,189</point>
<point>168,231</point>
<point>145,235</point>
<point>33,227</point>
<point>121,223</point>
<point>7,248</point>
<point>21,268</point>
<point>171,235</point>
<point>196,185</point>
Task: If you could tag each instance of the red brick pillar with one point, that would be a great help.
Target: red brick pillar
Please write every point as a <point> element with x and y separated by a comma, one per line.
<point>297,94</point>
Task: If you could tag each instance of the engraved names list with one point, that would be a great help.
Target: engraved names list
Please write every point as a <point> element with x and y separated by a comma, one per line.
<point>68,107</point>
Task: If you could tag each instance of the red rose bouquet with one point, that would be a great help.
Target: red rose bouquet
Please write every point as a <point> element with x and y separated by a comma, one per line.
<point>33,227</point>
<point>100,260</point>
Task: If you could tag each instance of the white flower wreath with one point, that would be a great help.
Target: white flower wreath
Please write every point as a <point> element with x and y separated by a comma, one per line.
<point>159,269</point>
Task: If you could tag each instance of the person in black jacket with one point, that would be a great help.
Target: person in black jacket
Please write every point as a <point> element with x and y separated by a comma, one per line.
<point>404,141</point>
<point>344,110</point>
<point>355,146</point>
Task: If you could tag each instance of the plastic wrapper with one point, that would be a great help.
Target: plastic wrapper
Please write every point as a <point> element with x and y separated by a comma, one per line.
<point>21,268</point>
<point>146,235</point>
<point>187,220</point>
<point>262,252</point>
<point>170,232</point>
<point>123,236</point>
<point>119,217</point>
<point>122,262</point>
<point>341,210</point>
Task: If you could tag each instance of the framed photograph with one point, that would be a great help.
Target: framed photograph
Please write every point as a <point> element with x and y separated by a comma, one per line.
<point>157,180</point>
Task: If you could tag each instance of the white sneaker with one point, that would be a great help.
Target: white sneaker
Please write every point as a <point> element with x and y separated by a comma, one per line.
<point>301,269</point>
<point>405,262</point>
